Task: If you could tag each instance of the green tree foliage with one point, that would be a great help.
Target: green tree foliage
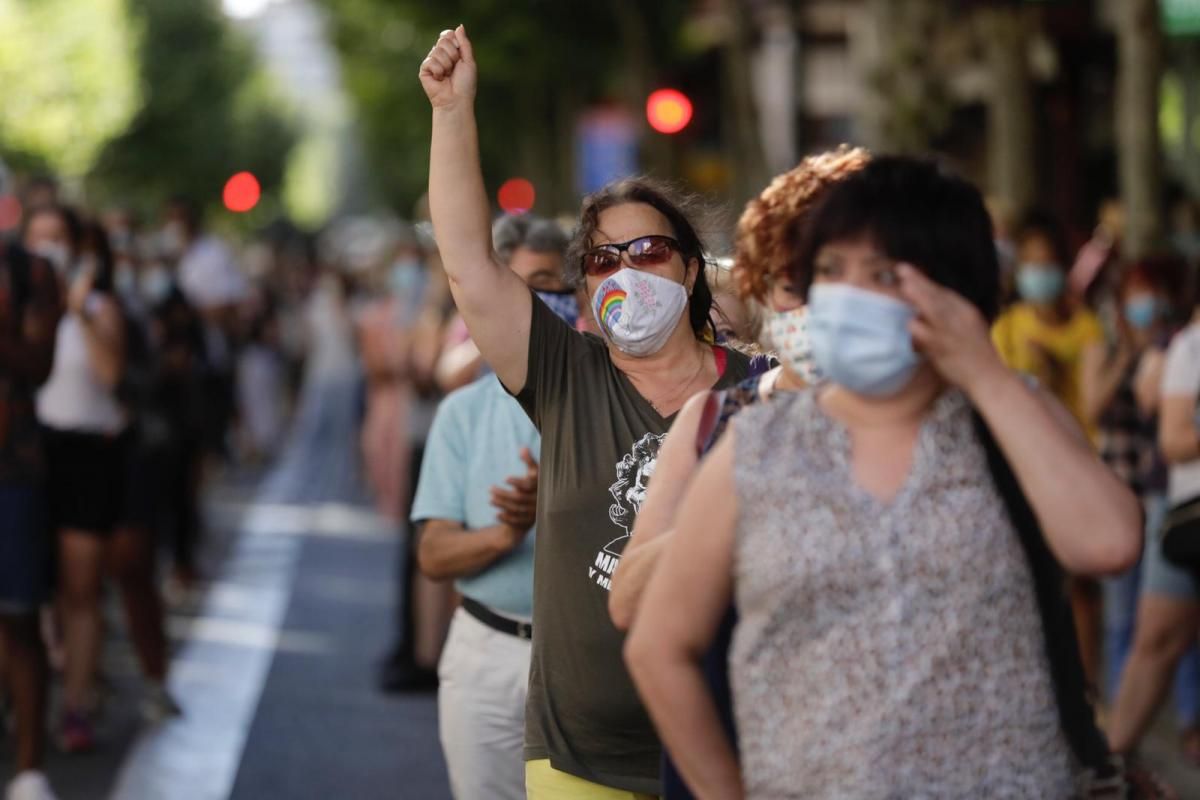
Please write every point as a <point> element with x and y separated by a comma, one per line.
<point>207,113</point>
<point>68,81</point>
<point>541,61</point>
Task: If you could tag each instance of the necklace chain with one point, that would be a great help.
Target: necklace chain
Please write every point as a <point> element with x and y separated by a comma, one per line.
<point>659,406</point>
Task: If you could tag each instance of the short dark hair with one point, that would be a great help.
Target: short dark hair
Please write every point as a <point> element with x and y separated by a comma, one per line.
<point>94,239</point>
<point>189,212</point>
<point>675,207</point>
<point>914,210</point>
<point>1040,223</point>
<point>70,219</point>
<point>513,231</point>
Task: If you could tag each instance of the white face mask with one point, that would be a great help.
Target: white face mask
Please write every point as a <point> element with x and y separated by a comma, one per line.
<point>638,311</point>
<point>57,254</point>
<point>125,281</point>
<point>787,335</point>
<point>155,285</point>
<point>405,277</point>
<point>173,239</point>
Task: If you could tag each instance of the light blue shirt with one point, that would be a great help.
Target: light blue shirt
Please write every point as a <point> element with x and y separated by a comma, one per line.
<point>475,443</point>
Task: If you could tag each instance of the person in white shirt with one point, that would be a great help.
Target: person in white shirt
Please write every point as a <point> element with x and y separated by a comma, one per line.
<point>1169,610</point>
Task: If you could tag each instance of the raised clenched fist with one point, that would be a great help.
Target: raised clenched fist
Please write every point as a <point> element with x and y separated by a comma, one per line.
<point>448,72</point>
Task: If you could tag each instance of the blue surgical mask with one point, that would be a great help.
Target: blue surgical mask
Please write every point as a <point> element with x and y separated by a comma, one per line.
<point>1040,283</point>
<point>156,285</point>
<point>1141,311</point>
<point>563,304</point>
<point>125,281</point>
<point>860,339</point>
<point>405,277</point>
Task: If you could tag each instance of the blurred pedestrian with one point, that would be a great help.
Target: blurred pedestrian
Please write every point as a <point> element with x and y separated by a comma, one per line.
<point>1045,336</point>
<point>29,313</point>
<point>40,191</point>
<point>1128,442</point>
<point>399,340</point>
<point>173,420</point>
<point>53,233</point>
<point>385,328</point>
<point>84,427</point>
<point>208,275</point>
<point>1093,277</point>
<point>475,506</point>
<point>261,388</point>
<point>603,408</point>
<point>876,504</point>
<point>1168,617</point>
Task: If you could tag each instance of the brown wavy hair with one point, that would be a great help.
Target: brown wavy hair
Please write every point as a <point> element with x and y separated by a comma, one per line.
<point>769,231</point>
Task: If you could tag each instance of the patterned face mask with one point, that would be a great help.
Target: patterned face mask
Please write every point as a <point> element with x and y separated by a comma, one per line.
<point>787,335</point>
<point>562,304</point>
<point>638,311</point>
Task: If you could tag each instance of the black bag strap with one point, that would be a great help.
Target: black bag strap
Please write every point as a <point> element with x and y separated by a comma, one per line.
<point>20,281</point>
<point>1058,624</point>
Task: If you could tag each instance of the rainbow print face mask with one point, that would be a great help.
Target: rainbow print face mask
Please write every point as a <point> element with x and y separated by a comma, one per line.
<point>638,311</point>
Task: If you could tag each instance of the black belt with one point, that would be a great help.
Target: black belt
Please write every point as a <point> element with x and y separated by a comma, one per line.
<point>521,630</point>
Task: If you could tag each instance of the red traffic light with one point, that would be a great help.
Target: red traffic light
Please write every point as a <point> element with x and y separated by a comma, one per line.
<point>668,110</point>
<point>241,192</point>
<point>516,195</point>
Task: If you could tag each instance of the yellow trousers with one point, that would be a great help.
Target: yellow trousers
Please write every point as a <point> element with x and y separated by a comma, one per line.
<point>544,782</point>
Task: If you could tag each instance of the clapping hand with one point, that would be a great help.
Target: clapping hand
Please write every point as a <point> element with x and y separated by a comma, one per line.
<point>518,504</point>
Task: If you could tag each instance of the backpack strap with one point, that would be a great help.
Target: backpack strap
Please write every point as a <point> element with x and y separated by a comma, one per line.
<point>1075,712</point>
<point>708,421</point>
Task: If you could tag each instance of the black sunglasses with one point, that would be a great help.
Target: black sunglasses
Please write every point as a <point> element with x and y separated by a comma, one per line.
<point>644,251</point>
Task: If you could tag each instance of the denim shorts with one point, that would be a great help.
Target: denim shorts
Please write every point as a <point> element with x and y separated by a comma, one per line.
<point>1160,576</point>
<point>24,548</point>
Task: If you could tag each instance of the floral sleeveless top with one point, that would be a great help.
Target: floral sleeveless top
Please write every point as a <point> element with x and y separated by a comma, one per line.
<point>885,650</point>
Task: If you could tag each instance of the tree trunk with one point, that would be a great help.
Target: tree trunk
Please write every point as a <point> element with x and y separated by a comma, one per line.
<point>1189,70</point>
<point>746,150</point>
<point>657,151</point>
<point>867,26</point>
<point>1139,48</point>
<point>1010,133</point>
<point>774,73</point>
<point>904,104</point>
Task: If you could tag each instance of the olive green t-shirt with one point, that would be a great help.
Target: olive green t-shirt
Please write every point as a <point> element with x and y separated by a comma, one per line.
<point>600,441</point>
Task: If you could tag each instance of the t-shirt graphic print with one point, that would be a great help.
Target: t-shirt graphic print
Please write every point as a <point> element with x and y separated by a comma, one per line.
<point>633,478</point>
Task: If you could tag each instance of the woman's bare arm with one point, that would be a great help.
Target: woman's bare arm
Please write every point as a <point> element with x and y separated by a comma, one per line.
<point>494,302</point>
<point>1102,376</point>
<point>1091,521</point>
<point>1177,433</point>
<point>676,624</point>
<point>1147,384</point>
<point>104,335</point>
